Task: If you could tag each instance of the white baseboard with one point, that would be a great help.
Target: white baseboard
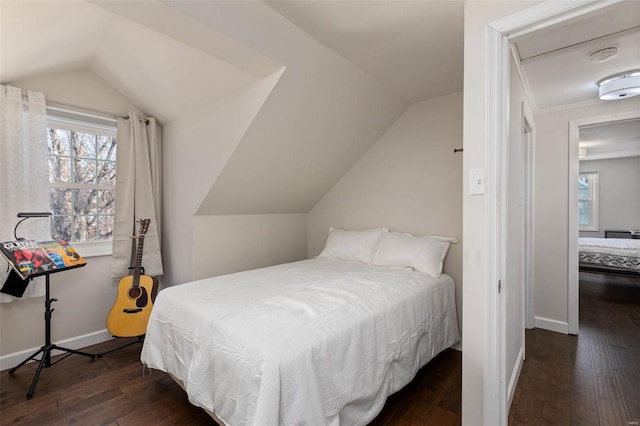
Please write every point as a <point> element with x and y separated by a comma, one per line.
<point>513,382</point>
<point>552,325</point>
<point>11,360</point>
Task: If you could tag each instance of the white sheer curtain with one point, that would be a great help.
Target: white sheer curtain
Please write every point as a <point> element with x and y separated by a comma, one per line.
<point>138,191</point>
<point>24,172</point>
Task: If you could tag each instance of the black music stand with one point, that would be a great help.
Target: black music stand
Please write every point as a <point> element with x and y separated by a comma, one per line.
<point>45,361</point>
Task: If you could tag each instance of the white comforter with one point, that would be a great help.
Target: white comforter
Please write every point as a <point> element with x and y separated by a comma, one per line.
<point>622,246</point>
<point>307,343</point>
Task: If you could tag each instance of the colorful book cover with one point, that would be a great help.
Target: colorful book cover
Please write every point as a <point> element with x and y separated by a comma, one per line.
<point>27,257</point>
<point>62,254</point>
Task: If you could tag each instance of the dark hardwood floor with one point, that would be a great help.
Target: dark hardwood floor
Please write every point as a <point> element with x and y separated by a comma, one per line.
<point>113,391</point>
<point>593,379</point>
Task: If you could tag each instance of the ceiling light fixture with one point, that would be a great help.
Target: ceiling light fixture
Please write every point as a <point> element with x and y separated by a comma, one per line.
<point>620,86</point>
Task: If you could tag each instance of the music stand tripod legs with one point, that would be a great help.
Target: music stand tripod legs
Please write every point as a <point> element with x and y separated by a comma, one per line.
<point>45,361</point>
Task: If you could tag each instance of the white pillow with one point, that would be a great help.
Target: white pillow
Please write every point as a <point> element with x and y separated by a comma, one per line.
<point>356,246</point>
<point>424,254</point>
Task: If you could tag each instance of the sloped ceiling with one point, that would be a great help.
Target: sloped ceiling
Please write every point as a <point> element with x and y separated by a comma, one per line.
<point>164,76</point>
<point>322,116</point>
<point>413,47</point>
<point>173,58</point>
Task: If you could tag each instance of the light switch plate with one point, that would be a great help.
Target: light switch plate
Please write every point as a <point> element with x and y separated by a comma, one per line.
<point>476,181</point>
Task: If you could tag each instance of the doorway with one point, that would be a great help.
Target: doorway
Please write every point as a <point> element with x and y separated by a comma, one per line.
<point>491,96</point>
<point>616,209</point>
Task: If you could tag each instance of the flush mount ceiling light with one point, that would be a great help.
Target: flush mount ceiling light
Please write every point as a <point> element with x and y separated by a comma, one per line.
<point>620,86</point>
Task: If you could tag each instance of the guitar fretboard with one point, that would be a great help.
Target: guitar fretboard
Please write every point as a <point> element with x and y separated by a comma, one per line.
<point>138,263</point>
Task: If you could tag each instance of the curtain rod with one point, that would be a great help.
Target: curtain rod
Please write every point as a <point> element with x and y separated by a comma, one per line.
<point>111,114</point>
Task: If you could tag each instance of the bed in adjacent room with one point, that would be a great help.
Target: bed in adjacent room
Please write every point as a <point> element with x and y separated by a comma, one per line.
<point>320,341</point>
<point>609,255</point>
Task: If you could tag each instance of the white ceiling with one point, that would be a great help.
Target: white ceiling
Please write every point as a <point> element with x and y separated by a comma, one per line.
<point>556,65</point>
<point>165,77</point>
<point>413,47</point>
<point>611,140</point>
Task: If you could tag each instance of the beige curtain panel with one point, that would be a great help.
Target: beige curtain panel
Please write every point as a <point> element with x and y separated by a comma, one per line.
<point>138,192</point>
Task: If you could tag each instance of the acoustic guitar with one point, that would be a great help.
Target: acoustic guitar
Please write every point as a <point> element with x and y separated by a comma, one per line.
<point>130,312</point>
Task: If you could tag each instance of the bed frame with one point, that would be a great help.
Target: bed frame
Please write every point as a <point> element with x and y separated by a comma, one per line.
<point>607,270</point>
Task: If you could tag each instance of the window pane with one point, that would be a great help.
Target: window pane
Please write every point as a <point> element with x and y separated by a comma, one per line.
<point>84,145</point>
<point>84,228</point>
<point>105,227</point>
<point>61,201</point>
<point>106,148</point>
<point>583,213</point>
<point>84,171</point>
<point>84,201</point>
<point>61,227</point>
<point>59,169</point>
<point>107,172</point>
<point>58,141</point>
<point>106,202</point>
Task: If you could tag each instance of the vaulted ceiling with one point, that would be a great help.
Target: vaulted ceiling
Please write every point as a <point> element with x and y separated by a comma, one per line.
<point>414,47</point>
<point>166,76</point>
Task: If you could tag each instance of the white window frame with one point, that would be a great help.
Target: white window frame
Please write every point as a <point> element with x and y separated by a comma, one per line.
<point>87,123</point>
<point>592,201</point>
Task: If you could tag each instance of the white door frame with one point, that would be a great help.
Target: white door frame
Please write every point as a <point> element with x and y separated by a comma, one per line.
<point>499,35</point>
<point>573,232</point>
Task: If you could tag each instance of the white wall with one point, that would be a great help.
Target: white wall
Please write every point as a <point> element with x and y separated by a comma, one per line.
<point>242,242</point>
<point>409,181</point>
<point>275,152</point>
<point>196,149</point>
<point>552,198</point>
<point>86,294</point>
<point>323,115</point>
<point>619,194</point>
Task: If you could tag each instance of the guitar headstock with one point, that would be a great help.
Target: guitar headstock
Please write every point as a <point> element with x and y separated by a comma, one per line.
<point>144,225</point>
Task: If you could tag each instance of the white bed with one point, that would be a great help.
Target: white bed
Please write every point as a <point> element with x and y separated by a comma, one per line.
<point>313,342</point>
<point>609,254</point>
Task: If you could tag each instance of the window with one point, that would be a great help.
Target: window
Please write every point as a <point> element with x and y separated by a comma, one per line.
<point>82,171</point>
<point>588,201</point>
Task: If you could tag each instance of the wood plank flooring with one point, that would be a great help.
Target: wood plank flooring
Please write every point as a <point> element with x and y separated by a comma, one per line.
<point>593,379</point>
<point>112,391</point>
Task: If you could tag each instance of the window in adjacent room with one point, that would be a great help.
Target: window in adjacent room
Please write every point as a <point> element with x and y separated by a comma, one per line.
<point>82,171</point>
<point>588,201</point>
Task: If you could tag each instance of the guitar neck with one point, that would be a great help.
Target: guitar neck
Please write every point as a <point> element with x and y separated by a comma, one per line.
<point>138,263</point>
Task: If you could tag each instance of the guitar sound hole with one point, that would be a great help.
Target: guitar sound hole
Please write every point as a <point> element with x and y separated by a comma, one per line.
<point>135,292</point>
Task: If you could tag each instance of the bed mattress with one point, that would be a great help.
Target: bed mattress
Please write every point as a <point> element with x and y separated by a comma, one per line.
<point>313,342</point>
<point>610,252</point>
